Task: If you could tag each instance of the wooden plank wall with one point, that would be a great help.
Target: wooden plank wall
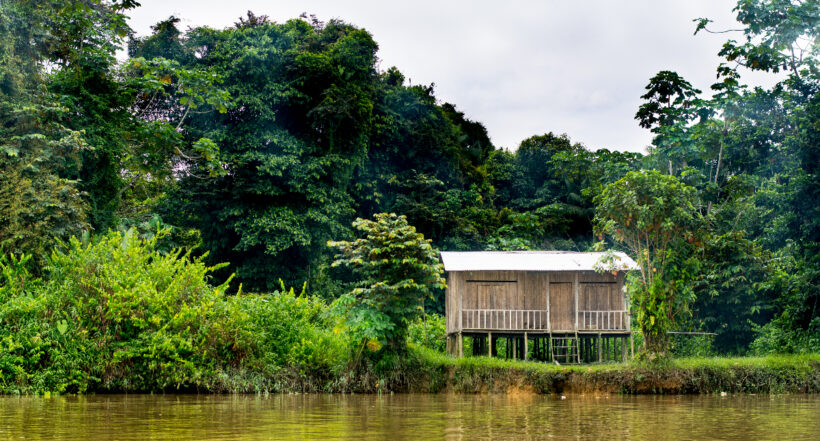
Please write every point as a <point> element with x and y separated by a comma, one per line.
<point>452,310</point>
<point>599,292</point>
<point>491,295</point>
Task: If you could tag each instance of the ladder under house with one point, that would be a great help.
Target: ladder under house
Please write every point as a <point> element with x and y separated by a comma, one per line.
<point>564,350</point>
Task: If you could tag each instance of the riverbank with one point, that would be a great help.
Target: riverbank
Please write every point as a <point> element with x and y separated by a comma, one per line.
<point>423,370</point>
<point>434,372</point>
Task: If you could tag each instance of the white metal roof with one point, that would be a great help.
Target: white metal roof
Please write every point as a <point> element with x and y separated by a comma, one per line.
<point>533,261</point>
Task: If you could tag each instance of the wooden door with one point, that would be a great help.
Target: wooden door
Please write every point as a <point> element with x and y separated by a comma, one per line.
<point>562,307</point>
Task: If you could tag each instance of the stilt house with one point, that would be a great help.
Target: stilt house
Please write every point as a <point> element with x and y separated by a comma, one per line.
<point>571,306</point>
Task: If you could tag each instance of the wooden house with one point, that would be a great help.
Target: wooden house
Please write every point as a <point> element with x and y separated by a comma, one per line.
<point>571,306</point>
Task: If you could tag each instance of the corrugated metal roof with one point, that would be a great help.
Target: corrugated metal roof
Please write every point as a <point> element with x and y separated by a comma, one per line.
<point>532,261</point>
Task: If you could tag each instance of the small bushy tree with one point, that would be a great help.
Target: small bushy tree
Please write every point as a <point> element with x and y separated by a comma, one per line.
<point>396,270</point>
<point>655,217</point>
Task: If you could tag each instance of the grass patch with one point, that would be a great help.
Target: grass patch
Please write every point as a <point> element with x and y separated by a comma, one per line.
<point>770,374</point>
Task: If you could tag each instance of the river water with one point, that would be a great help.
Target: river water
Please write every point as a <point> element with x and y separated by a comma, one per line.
<point>410,417</point>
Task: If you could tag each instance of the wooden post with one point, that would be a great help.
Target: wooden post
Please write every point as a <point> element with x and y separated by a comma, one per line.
<point>608,348</point>
<point>535,347</point>
<point>580,341</point>
<point>490,346</point>
<point>549,346</point>
<point>582,347</point>
<point>575,289</point>
<point>526,347</point>
<point>599,348</point>
<point>460,308</point>
<point>460,345</point>
<point>631,346</point>
<point>623,349</point>
<point>575,346</point>
<point>519,345</point>
<point>626,304</point>
<point>516,344</point>
<point>549,327</point>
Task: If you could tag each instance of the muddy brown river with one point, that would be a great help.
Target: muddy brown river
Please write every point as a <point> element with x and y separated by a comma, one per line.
<point>410,417</point>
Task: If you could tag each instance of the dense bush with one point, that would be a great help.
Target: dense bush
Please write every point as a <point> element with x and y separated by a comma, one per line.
<point>428,331</point>
<point>117,314</point>
<point>294,332</point>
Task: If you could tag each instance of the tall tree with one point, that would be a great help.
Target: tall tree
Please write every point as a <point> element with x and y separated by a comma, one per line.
<point>655,216</point>
<point>39,155</point>
<point>303,99</point>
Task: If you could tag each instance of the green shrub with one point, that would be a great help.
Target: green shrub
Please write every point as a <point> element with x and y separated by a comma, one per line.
<point>292,330</point>
<point>114,313</point>
<point>428,331</point>
<point>690,345</point>
<point>117,314</point>
<point>777,337</point>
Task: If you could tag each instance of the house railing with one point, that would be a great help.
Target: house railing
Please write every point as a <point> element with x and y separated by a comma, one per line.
<point>603,320</point>
<point>505,319</point>
<point>534,319</point>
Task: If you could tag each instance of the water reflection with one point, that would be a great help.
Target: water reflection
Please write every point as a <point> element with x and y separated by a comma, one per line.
<point>400,417</point>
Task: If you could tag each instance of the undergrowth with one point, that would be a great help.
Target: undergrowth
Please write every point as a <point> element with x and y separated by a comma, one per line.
<point>119,315</point>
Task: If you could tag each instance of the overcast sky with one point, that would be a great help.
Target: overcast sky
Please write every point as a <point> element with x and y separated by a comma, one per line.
<point>520,67</point>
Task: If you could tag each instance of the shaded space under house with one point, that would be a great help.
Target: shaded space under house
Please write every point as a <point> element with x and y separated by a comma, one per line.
<point>557,306</point>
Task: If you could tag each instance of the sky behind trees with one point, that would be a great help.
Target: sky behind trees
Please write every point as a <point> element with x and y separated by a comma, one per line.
<point>519,67</point>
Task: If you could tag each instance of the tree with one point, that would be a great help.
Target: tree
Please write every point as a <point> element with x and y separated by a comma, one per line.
<point>38,154</point>
<point>426,161</point>
<point>303,100</point>
<point>656,218</point>
<point>779,34</point>
<point>533,188</point>
<point>671,105</point>
<point>733,290</point>
<point>86,143</point>
<point>766,168</point>
<point>397,270</point>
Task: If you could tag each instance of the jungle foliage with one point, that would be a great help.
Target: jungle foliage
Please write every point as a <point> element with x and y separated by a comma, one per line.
<point>118,314</point>
<point>257,144</point>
